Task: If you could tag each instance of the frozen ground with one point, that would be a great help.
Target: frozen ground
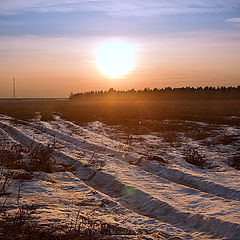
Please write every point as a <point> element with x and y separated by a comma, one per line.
<point>139,184</point>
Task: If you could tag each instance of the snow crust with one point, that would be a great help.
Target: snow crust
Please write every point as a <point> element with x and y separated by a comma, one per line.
<point>117,183</point>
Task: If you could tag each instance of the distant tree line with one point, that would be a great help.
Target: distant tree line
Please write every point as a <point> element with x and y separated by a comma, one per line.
<point>168,93</point>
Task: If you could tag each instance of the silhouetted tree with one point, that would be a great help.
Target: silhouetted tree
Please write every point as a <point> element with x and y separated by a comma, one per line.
<point>184,93</point>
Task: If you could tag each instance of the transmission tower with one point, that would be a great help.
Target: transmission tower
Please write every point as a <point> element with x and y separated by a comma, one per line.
<point>14,88</point>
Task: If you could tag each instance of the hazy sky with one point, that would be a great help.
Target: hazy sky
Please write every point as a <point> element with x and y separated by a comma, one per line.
<point>48,45</point>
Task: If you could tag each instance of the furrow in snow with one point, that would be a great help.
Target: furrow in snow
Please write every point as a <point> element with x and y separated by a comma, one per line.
<point>196,182</point>
<point>177,176</point>
<point>139,200</point>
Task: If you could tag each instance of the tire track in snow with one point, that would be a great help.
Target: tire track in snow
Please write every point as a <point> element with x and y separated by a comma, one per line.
<point>173,175</point>
<point>84,143</point>
<point>140,202</point>
<point>196,182</point>
<point>177,176</point>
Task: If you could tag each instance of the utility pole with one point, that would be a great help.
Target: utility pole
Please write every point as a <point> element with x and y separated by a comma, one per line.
<point>14,88</point>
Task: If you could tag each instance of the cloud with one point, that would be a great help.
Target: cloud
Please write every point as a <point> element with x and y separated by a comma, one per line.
<point>233,20</point>
<point>119,7</point>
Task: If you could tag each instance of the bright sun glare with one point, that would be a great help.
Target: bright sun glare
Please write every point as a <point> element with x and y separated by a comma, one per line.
<point>115,58</point>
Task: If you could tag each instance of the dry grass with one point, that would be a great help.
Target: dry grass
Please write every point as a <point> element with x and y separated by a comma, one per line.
<point>127,113</point>
<point>19,223</point>
<point>39,159</point>
<point>20,226</point>
<point>193,157</point>
<point>235,160</point>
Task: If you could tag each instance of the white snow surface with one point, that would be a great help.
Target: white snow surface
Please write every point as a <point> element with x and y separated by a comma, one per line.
<point>116,183</point>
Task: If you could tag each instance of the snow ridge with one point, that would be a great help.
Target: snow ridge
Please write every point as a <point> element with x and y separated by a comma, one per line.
<point>133,187</point>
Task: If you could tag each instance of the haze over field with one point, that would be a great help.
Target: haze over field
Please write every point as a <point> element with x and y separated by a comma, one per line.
<point>52,47</point>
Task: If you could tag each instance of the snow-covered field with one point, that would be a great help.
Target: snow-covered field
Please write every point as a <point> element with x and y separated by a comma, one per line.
<point>139,184</point>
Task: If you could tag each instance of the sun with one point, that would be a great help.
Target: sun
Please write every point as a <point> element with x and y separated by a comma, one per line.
<point>115,58</point>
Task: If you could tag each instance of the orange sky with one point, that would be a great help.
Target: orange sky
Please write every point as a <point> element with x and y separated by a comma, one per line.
<point>48,45</point>
<point>53,67</point>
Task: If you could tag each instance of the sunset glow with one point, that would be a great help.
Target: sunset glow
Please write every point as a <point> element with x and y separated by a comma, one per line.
<point>115,58</point>
<point>53,48</point>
